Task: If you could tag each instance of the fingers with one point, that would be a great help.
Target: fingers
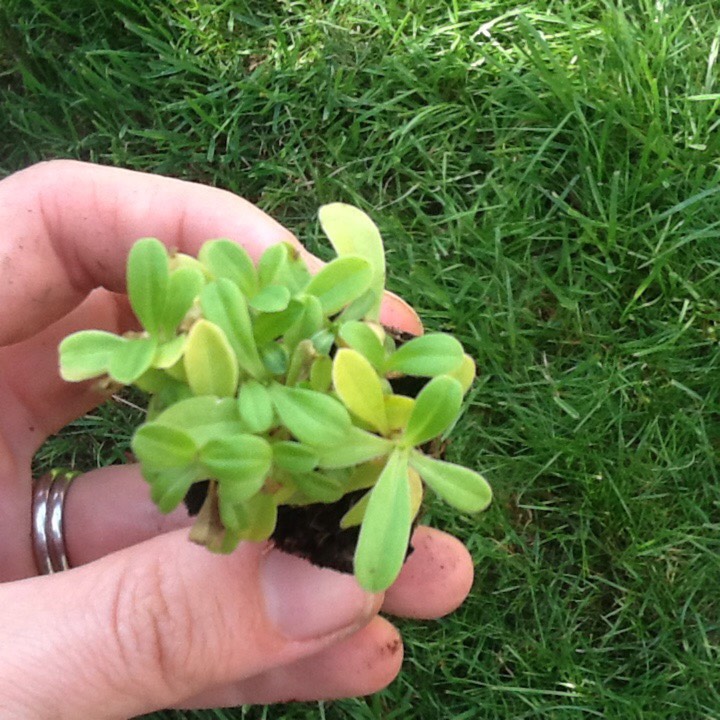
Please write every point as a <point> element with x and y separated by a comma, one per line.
<point>435,579</point>
<point>110,508</point>
<point>68,227</point>
<point>361,664</point>
<point>29,370</point>
<point>152,625</point>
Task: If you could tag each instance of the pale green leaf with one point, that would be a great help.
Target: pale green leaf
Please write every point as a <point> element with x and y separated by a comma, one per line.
<point>262,511</point>
<point>147,282</point>
<point>272,299</point>
<point>255,406</point>
<point>340,282</point>
<point>361,337</point>
<point>210,363</point>
<point>354,516</point>
<point>131,359</point>
<point>294,457</point>
<point>356,446</point>
<point>385,530</point>
<point>319,486</point>
<point>273,266</point>
<point>300,363</point>
<point>240,463</point>
<point>169,487</point>
<point>465,374</point>
<point>356,383</point>
<point>352,232</point>
<point>204,418</point>
<point>321,373</point>
<point>223,304</point>
<point>315,419</point>
<point>463,488</point>
<point>275,359</point>
<point>159,447</point>
<point>427,356</point>
<point>86,354</point>
<point>398,409</point>
<point>436,408</point>
<point>282,264</point>
<point>226,259</point>
<point>270,326</point>
<point>184,285</point>
<point>169,352</point>
<point>307,323</point>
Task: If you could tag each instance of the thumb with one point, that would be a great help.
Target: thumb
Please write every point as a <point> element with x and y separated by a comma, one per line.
<point>147,627</point>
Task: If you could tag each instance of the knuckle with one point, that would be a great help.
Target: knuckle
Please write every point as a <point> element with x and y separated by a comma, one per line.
<point>151,627</point>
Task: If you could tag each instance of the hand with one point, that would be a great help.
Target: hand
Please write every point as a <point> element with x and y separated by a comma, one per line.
<point>156,621</point>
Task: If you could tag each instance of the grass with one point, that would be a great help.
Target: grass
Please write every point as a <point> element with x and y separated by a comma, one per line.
<point>547,177</point>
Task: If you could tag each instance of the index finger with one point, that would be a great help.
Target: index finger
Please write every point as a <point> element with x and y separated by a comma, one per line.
<point>68,227</point>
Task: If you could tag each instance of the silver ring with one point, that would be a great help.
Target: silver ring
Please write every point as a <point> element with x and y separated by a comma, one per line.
<point>48,538</point>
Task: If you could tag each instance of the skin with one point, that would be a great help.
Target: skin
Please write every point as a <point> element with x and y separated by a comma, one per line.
<point>145,619</point>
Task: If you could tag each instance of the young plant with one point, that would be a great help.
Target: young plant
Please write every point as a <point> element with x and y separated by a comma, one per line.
<point>274,387</point>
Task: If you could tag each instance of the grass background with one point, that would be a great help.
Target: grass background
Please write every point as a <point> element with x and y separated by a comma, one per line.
<point>547,179</point>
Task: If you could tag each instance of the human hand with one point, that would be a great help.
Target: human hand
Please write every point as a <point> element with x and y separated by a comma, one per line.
<point>156,621</point>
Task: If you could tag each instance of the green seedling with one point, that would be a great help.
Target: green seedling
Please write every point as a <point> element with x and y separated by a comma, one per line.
<point>276,386</point>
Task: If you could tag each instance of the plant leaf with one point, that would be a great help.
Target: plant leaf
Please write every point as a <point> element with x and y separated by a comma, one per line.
<point>131,359</point>
<point>306,325</point>
<point>416,491</point>
<point>169,487</point>
<point>315,419</point>
<point>427,356</point>
<point>275,359</point>
<point>86,354</point>
<point>262,517</point>
<point>159,447</point>
<point>273,266</point>
<point>169,352</point>
<point>398,409</point>
<point>300,363</point>
<point>270,326</point>
<point>184,285</point>
<point>226,259</point>
<point>240,464</point>
<point>223,304</point>
<point>272,299</point>
<point>356,446</point>
<point>465,374</point>
<point>204,418</point>
<point>319,486</point>
<point>352,232</point>
<point>255,405</point>
<point>354,516</point>
<point>385,530</point>
<point>361,337</point>
<point>356,382</point>
<point>436,408</point>
<point>147,282</point>
<point>340,282</point>
<point>210,364</point>
<point>463,488</point>
<point>321,373</point>
<point>294,457</point>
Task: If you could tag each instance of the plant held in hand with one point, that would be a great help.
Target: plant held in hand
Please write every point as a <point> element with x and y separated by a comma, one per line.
<point>274,387</point>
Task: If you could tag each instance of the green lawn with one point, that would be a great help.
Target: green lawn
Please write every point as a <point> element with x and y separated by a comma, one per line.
<point>547,178</point>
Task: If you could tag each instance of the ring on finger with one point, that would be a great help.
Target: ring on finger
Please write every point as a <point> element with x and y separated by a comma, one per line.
<point>48,538</point>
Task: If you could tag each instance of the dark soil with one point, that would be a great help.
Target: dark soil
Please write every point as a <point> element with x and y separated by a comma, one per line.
<point>313,532</point>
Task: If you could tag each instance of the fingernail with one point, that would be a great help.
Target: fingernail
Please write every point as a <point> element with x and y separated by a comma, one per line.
<point>304,601</point>
<point>396,313</point>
